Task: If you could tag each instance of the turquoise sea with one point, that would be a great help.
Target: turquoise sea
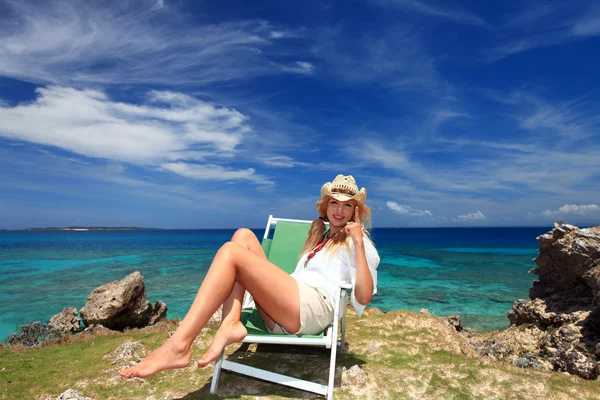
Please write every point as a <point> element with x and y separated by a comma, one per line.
<point>475,272</point>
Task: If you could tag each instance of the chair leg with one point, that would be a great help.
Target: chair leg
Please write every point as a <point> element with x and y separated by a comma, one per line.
<point>215,380</point>
<point>331,371</point>
<point>343,330</point>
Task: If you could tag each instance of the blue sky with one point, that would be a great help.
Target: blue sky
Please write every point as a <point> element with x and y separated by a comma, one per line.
<point>198,114</point>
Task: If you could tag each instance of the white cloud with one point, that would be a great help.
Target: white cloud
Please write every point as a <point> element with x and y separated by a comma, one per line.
<point>208,172</point>
<point>569,119</point>
<point>547,25</point>
<point>441,116</point>
<point>396,58</point>
<point>277,35</point>
<point>407,210</point>
<point>87,122</point>
<point>474,216</point>
<point>138,42</point>
<point>574,209</point>
<point>589,24</point>
<point>300,67</point>
<point>281,161</point>
<point>434,11</point>
<point>287,33</point>
<point>174,127</point>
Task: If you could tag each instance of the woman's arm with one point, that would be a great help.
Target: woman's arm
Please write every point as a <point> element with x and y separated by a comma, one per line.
<point>363,288</point>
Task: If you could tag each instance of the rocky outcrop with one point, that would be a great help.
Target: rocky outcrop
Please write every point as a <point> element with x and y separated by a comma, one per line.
<point>564,310</point>
<point>568,268</point>
<point>122,304</point>
<point>65,322</point>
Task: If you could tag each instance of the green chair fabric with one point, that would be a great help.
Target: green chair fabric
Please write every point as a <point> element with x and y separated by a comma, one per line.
<point>287,242</point>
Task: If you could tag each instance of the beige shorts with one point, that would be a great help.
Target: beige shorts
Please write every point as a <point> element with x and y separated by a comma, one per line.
<point>316,313</point>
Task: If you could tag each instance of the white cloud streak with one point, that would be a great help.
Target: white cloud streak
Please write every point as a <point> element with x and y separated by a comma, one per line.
<point>300,67</point>
<point>407,210</point>
<point>547,25</point>
<point>574,209</point>
<point>570,119</point>
<point>211,172</point>
<point>427,9</point>
<point>140,42</point>
<point>442,116</point>
<point>474,216</point>
<point>395,58</point>
<point>282,162</point>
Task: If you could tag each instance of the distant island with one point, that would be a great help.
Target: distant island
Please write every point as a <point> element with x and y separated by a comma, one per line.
<point>91,228</point>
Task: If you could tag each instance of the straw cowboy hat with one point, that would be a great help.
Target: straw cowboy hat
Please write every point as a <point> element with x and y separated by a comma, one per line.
<point>344,188</point>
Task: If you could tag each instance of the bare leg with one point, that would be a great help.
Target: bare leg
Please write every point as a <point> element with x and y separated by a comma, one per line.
<point>247,238</point>
<point>231,329</point>
<point>272,288</point>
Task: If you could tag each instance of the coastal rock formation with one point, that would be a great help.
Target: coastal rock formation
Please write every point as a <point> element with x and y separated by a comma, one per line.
<point>563,314</point>
<point>122,304</point>
<point>65,322</point>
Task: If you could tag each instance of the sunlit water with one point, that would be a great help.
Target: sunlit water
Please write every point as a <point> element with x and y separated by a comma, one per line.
<point>475,272</point>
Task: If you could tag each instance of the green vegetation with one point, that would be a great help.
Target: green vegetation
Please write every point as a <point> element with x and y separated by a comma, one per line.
<point>404,355</point>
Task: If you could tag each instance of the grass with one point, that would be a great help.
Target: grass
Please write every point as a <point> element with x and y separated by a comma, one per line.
<point>405,355</point>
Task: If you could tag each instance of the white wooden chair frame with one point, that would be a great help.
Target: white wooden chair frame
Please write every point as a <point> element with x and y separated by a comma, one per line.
<point>327,340</point>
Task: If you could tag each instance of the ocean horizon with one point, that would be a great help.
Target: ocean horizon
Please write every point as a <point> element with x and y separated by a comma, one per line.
<point>474,272</point>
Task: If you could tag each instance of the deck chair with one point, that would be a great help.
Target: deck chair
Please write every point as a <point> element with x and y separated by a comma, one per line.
<point>283,249</point>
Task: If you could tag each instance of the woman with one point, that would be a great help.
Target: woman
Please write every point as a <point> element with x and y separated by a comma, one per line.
<point>298,303</point>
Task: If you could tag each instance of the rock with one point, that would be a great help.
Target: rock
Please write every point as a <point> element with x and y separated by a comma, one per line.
<point>536,312</point>
<point>29,335</point>
<point>569,257</point>
<point>493,348</point>
<point>120,304</point>
<point>578,363</point>
<point>126,352</point>
<point>159,312</point>
<point>216,317</point>
<point>530,360</point>
<point>565,302</point>
<point>354,375</point>
<point>70,394</point>
<point>565,351</point>
<point>96,328</point>
<point>65,322</point>
<point>454,321</point>
<point>468,332</point>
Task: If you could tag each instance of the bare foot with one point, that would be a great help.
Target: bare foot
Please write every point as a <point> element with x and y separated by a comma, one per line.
<point>229,332</point>
<point>167,356</point>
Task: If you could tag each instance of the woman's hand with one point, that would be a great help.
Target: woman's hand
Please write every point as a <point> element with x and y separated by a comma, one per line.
<point>354,229</point>
<point>363,288</point>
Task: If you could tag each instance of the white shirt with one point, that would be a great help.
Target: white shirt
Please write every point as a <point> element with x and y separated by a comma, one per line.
<point>327,271</point>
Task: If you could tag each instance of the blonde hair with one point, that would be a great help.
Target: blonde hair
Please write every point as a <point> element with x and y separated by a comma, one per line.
<point>318,227</point>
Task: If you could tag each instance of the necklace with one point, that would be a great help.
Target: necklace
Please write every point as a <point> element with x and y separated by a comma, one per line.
<point>319,246</point>
<point>331,237</point>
